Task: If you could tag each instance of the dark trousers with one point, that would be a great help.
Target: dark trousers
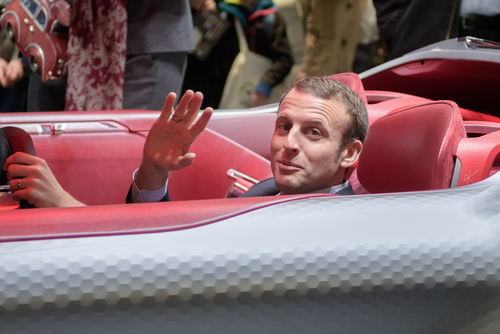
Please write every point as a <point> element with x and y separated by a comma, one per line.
<point>148,80</point>
<point>14,99</point>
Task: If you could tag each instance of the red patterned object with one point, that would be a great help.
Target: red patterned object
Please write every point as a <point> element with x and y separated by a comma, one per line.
<point>40,30</point>
<point>96,51</point>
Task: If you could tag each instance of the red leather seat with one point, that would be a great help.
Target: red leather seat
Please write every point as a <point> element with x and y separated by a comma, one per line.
<point>353,81</point>
<point>412,149</point>
<point>206,178</point>
<point>97,168</point>
<point>480,157</point>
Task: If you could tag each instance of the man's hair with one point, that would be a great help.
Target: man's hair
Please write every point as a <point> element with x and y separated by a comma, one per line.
<point>330,89</point>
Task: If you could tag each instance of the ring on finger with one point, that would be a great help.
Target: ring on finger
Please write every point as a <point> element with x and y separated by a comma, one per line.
<point>18,184</point>
<point>176,118</point>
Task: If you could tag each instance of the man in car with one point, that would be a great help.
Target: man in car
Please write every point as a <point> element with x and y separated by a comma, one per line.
<point>320,129</point>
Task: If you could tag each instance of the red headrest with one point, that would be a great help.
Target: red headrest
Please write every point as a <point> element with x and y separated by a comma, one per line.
<point>353,81</point>
<point>412,149</point>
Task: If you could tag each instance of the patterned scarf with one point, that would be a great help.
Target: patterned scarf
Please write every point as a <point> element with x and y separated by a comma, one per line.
<point>96,50</point>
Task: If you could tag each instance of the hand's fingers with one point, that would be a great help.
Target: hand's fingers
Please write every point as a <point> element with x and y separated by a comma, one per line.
<point>183,105</point>
<point>30,193</point>
<point>24,194</point>
<point>7,83</point>
<point>194,108</point>
<point>22,159</point>
<point>16,185</point>
<point>17,171</point>
<point>20,183</point>
<point>187,159</point>
<point>11,77</point>
<point>202,122</point>
<point>168,106</point>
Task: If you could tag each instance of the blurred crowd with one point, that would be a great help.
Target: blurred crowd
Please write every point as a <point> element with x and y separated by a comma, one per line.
<point>157,47</point>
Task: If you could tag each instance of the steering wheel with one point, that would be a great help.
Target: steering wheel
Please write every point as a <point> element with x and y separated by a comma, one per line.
<point>14,140</point>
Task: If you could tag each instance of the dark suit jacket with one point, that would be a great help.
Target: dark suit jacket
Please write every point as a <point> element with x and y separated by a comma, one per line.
<point>266,187</point>
<point>403,28</point>
<point>159,26</point>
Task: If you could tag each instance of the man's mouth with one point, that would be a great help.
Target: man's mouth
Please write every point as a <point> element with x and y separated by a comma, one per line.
<point>288,165</point>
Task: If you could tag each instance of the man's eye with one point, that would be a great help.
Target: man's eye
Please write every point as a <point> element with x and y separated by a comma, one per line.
<point>315,132</point>
<point>284,127</point>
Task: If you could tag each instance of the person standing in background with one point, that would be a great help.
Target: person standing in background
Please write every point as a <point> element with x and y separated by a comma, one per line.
<point>159,36</point>
<point>368,53</point>
<point>480,19</point>
<point>265,34</point>
<point>122,55</point>
<point>333,28</point>
<point>415,24</point>
<point>13,77</point>
<point>265,31</point>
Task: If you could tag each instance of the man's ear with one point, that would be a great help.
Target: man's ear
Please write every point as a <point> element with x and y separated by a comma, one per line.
<point>350,153</point>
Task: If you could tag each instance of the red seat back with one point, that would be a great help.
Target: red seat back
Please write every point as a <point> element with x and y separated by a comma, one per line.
<point>412,149</point>
<point>95,155</point>
<point>353,81</point>
<point>480,157</point>
<point>206,178</point>
<point>95,168</point>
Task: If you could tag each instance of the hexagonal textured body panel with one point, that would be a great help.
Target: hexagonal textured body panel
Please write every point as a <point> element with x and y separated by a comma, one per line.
<point>407,263</point>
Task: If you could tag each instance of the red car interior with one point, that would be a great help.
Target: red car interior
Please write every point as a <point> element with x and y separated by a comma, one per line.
<point>353,81</point>
<point>206,178</point>
<point>412,149</point>
<point>411,146</point>
<point>253,132</point>
<point>479,128</point>
<point>480,157</point>
<point>97,168</point>
<point>477,116</point>
<point>471,84</point>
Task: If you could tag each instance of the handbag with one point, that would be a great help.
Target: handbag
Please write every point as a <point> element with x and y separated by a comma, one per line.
<point>245,73</point>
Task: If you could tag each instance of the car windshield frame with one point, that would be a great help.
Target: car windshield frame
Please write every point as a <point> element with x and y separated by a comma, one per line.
<point>34,9</point>
<point>37,17</point>
<point>28,4</point>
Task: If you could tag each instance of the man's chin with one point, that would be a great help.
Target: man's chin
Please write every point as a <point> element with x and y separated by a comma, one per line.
<point>288,186</point>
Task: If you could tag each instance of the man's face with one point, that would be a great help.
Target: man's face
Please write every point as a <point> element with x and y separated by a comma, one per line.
<point>306,143</point>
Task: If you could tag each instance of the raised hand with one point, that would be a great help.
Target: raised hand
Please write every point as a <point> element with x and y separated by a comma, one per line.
<point>166,148</point>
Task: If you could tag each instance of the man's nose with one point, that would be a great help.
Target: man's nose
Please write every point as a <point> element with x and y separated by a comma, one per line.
<point>291,143</point>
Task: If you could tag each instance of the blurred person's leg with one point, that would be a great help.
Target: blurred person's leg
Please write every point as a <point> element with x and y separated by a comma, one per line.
<point>14,99</point>
<point>366,55</point>
<point>150,77</point>
<point>367,50</point>
<point>45,96</point>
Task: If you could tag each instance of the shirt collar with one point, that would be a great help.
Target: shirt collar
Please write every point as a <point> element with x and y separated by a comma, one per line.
<point>330,190</point>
